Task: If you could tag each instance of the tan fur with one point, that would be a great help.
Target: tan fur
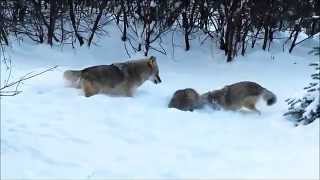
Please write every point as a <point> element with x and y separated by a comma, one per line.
<point>119,79</point>
<point>72,77</point>
<point>185,99</point>
<point>88,88</point>
<point>243,94</point>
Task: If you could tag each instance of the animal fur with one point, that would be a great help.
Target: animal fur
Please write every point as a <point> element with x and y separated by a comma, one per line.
<point>242,94</point>
<point>185,99</point>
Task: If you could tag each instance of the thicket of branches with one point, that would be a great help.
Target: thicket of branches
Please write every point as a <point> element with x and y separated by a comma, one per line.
<point>234,24</point>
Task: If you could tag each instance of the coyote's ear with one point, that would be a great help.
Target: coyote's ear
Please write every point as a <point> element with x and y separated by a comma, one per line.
<point>150,63</point>
<point>152,58</point>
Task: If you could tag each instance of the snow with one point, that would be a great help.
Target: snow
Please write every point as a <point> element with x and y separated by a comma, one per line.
<point>313,106</point>
<point>177,4</point>
<point>51,131</point>
<point>153,4</point>
<point>314,97</point>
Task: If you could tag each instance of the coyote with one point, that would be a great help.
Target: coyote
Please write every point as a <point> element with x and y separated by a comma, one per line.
<point>186,100</point>
<point>118,79</point>
<point>238,95</point>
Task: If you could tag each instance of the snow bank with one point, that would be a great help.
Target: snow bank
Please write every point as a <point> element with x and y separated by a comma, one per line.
<point>51,131</point>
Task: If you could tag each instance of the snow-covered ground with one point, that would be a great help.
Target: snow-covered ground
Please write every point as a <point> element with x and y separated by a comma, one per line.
<point>51,131</point>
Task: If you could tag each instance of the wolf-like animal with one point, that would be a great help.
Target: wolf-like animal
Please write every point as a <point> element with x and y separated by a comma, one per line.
<point>118,79</point>
<point>186,100</point>
<point>242,94</point>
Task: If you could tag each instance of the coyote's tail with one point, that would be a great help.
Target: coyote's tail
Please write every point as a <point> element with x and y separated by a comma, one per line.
<point>269,97</point>
<point>73,77</point>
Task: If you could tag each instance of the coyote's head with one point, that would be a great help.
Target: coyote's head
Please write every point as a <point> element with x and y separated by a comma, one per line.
<point>154,77</point>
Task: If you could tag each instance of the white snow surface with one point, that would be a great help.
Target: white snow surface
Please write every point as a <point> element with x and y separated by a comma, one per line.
<point>52,131</point>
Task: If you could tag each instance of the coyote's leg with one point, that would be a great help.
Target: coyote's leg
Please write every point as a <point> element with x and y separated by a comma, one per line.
<point>88,88</point>
<point>253,108</point>
<point>129,91</point>
<point>250,103</point>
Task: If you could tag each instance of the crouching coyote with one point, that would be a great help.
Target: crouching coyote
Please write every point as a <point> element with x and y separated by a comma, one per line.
<point>242,94</point>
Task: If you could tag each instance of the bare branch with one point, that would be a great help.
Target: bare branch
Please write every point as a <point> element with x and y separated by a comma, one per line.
<point>18,82</point>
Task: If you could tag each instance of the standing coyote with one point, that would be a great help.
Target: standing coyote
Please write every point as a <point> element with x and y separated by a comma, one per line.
<point>238,95</point>
<point>185,99</point>
<point>119,79</point>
